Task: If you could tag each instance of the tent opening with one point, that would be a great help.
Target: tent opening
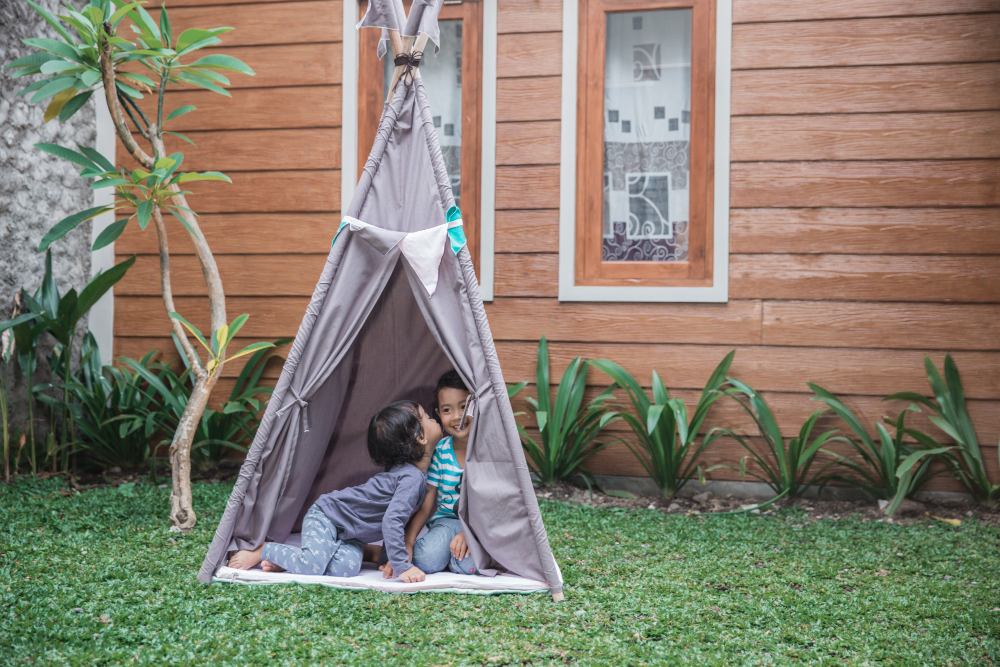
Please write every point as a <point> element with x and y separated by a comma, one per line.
<point>394,357</point>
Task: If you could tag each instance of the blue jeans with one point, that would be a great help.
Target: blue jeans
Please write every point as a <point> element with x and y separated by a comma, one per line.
<point>321,551</point>
<point>432,552</point>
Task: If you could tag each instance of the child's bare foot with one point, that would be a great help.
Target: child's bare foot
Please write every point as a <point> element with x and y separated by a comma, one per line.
<point>244,560</point>
<point>268,566</point>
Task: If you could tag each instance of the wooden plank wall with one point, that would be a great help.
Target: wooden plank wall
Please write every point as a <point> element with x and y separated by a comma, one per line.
<point>864,221</point>
<point>278,138</point>
<point>865,231</point>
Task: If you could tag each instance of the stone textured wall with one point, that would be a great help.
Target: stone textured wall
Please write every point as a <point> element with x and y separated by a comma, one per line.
<point>36,189</point>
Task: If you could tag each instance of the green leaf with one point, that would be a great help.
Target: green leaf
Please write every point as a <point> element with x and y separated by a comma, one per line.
<point>69,223</point>
<point>203,176</point>
<point>53,87</point>
<point>165,26</point>
<point>96,157</point>
<point>100,284</point>
<point>51,20</point>
<point>229,63</point>
<point>63,49</point>
<point>120,14</point>
<point>109,234</point>
<point>32,60</point>
<point>26,317</point>
<point>74,105</point>
<point>543,419</point>
<point>128,90</point>
<point>146,24</point>
<point>178,112</point>
<point>203,83</point>
<point>250,349</point>
<point>178,134</point>
<point>513,389</point>
<point>144,212</point>
<point>192,36</point>
<point>193,329</point>
<point>164,163</point>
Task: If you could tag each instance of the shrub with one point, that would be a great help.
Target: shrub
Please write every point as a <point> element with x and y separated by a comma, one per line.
<point>568,429</point>
<point>219,431</point>
<point>881,458</point>
<point>788,473</point>
<point>964,459</point>
<point>114,410</point>
<point>665,435</point>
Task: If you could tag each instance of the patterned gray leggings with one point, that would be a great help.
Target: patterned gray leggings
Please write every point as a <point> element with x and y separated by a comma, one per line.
<point>321,551</point>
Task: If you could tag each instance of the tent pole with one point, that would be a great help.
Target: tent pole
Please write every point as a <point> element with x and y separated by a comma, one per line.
<point>399,45</point>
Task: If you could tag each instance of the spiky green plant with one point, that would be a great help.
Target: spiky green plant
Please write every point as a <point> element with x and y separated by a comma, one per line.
<point>666,437</point>
<point>787,468</point>
<point>964,459</point>
<point>568,428</point>
<point>880,459</point>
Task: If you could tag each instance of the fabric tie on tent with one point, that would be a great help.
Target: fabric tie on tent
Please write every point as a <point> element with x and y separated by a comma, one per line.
<point>302,403</point>
<point>410,61</point>
<point>474,398</point>
<point>423,250</point>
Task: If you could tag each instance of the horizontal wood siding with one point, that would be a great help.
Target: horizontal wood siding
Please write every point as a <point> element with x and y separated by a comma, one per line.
<point>279,139</point>
<point>864,228</point>
<point>864,224</point>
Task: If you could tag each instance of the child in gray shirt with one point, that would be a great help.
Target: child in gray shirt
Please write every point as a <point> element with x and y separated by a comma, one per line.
<point>401,439</point>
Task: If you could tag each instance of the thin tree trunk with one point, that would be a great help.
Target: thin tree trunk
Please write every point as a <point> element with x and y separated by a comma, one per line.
<point>182,515</point>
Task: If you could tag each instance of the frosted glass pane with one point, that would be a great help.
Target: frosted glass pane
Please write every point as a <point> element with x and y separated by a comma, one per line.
<point>647,130</point>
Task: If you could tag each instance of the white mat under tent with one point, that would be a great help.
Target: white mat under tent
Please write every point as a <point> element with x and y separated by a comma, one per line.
<point>371,579</point>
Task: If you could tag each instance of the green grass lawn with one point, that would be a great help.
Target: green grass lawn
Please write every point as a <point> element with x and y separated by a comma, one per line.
<point>95,578</point>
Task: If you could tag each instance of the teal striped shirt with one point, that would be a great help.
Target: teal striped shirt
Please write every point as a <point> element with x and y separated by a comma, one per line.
<point>446,475</point>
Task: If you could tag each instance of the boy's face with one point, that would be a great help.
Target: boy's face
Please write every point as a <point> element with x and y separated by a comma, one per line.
<point>451,405</point>
<point>432,432</point>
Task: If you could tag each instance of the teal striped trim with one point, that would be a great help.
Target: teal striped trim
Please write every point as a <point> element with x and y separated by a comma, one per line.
<point>457,237</point>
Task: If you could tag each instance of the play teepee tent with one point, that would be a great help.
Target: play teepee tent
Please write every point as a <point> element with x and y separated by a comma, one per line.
<point>396,305</point>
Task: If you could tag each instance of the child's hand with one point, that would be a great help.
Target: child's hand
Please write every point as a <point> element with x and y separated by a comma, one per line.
<point>459,547</point>
<point>412,576</point>
<point>387,572</point>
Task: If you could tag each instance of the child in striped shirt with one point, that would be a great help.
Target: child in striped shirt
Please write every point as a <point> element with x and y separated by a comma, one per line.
<point>443,547</point>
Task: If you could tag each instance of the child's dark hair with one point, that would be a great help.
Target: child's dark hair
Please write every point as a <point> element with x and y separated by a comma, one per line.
<point>393,433</point>
<point>448,380</point>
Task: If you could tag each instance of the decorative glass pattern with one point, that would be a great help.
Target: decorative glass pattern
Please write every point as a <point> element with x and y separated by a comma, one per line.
<point>647,101</point>
<point>442,76</point>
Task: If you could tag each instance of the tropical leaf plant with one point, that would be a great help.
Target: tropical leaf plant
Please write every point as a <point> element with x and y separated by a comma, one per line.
<point>964,459</point>
<point>229,428</point>
<point>568,428</point>
<point>93,52</point>
<point>666,437</point>
<point>60,315</point>
<point>787,464</point>
<point>7,345</point>
<point>880,458</point>
<point>115,411</point>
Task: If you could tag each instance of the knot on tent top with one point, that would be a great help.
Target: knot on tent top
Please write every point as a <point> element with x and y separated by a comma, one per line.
<point>409,61</point>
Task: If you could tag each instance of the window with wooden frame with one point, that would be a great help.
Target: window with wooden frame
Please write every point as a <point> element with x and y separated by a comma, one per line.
<point>453,78</point>
<point>646,219</point>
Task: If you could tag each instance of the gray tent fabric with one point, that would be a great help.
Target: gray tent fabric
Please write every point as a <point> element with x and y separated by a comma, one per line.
<point>375,332</point>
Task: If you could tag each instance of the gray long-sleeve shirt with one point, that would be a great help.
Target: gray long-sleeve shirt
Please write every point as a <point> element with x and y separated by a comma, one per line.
<point>379,510</point>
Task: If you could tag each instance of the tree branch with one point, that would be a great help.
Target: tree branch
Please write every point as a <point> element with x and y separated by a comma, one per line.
<point>213,281</point>
<point>110,94</point>
<point>168,294</point>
